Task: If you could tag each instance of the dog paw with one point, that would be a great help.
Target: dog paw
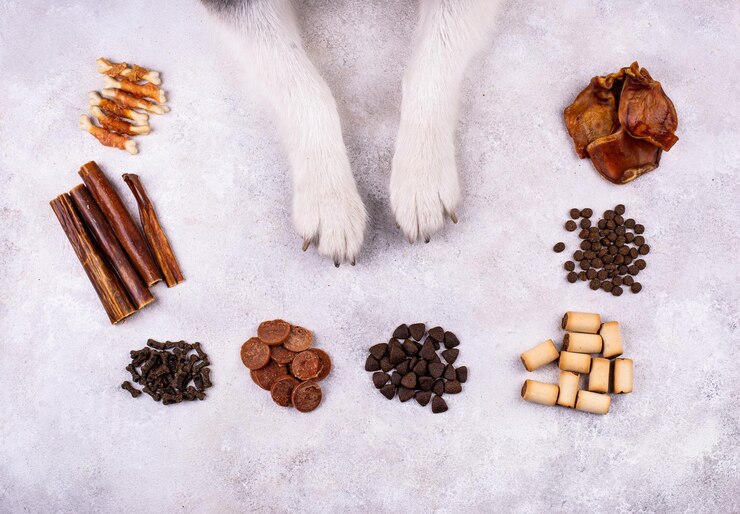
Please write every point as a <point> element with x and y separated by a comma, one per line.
<point>329,213</point>
<point>424,185</point>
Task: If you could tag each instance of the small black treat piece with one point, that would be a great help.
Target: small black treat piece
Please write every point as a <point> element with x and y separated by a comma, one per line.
<point>450,373</point>
<point>439,405</point>
<point>135,393</point>
<point>451,340</point>
<point>462,374</point>
<point>421,368</point>
<point>439,387</point>
<point>385,364</point>
<point>409,380</point>
<point>405,394</point>
<point>379,350</point>
<point>426,383</point>
<point>452,387</point>
<point>436,369</point>
<point>423,397</point>
<point>450,355</point>
<point>437,334</point>
<point>402,332</point>
<point>427,351</point>
<point>389,391</point>
<point>409,347</point>
<point>559,247</point>
<point>403,368</point>
<point>396,378</point>
<point>395,353</point>
<point>417,330</point>
<point>372,364</point>
<point>380,379</point>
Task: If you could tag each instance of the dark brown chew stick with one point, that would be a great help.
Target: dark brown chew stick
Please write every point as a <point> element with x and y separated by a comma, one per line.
<point>97,224</point>
<point>103,278</point>
<point>120,220</point>
<point>154,233</point>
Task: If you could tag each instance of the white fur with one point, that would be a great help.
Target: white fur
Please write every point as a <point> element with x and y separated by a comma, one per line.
<point>327,209</point>
<point>424,184</point>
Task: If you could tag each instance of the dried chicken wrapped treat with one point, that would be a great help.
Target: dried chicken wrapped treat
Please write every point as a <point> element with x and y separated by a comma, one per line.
<point>622,121</point>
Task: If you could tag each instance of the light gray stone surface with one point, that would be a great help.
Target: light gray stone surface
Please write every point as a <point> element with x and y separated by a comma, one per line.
<point>72,441</point>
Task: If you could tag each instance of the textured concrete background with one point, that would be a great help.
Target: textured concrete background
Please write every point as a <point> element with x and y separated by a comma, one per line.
<point>72,441</point>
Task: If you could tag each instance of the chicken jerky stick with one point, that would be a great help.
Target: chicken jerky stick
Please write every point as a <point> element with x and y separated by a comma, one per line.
<point>134,73</point>
<point>108,138</point>
<point>132,102</point>
<point>139,118</point>
<point>141,90</point>
<point>117,124</point>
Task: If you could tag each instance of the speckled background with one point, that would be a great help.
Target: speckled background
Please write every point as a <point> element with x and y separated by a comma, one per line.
<point>72,441</point>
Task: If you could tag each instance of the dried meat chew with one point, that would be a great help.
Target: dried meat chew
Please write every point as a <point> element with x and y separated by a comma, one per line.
<point>133,102</point>
<point>273,332</point>
<point>306,396</point>
<point>139,118</point>
<point>134,73</point>
<point>117,124</point>
<point>141,90</point>
<point>108,138</point>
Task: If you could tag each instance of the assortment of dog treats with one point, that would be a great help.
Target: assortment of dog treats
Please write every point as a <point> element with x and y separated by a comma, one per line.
<point>116,257</point>
<point>170,372</point>
<point>412,369</point>
<point>611,254</point>
<point>622,121</point>
<point>281,360</point>
<point>127,89</point>
<point>585,335</point>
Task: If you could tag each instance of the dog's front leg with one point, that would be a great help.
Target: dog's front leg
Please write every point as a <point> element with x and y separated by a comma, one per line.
<point>327,209</point>
<point>424,184</point>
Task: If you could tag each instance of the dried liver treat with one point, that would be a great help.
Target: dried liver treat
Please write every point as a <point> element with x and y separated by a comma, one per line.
<point>267,375</point>
<point>281,355</point>
<point>622,121</point>
<point>255,354</point>
<point>299,339</point>
<point>306,396</point>
<point>274,332</point>
<point>282,390</point>
<point>325,363</point>
<point>306,365</point>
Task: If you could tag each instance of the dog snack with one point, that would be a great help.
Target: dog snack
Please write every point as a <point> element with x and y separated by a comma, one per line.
<point>108,138</point>
<point>290,376</point>
<point>611,253</point>
<point>115,124</point>
<point>583,322</point>
<point>612,338</point>
<point>539,392</point>
<point>623,375</point>
<point>576,362</point>
<point>582,343</point>
<point>598,378</point>
<point>622,121</point>
<point>594,403</point>
<point>133,102</point>
<point>166,370</point>
<point>138,118</point>
<point>543,353</point>
<point>134,73</point>
<point>153,232</point>
<point>411,369</point>
<point>140,90</point>
<point>568,389</point>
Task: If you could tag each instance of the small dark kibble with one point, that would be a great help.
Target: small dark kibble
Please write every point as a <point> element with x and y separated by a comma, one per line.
<point>617,291</point>
<point>575,213</point>
<point>620,209</point>
<point>639,229</point>
<point>417,330</point>
<point>586,213</point>
<point>462,374</point>
<point>423,397</point>
<point>570,225</point>
<point>438,405</point>
<point>559,247</point>
<point>389,391</point>
<point>402,332</point>
<point>451,340</point>
<point>594,284</point>
<point>372,364</point>
<point>380,379</point>
<point>572,277</point>
<point>636,287</point>
<point>585,223</point>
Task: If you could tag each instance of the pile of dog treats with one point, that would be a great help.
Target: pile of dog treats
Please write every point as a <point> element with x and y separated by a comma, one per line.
<point>585,335</point>
<point>121,108</point>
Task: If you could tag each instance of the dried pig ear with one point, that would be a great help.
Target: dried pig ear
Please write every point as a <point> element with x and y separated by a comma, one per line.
<point>592,115</point>
<point>645,111</point>
<point>621,158</point>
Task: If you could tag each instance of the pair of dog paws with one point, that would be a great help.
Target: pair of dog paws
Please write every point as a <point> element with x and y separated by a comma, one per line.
<point>329,213</point>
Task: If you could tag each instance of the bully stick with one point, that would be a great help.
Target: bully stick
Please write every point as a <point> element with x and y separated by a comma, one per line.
<point>120,220</point>
<point>133,102</point>
<point>139,118</point>
<point>135,73</point>
<point>103,278</point>
<point>140,90</point>
<point>116,124</point>
<point>153,232</point>
<point>108,138</point>
<point>98,225</point>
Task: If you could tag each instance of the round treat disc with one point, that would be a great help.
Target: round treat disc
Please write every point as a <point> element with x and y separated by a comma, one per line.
<point>306,365</point>
<point>255,354</point>
<point>299,339</point>
<point>281,355</point>
<point>266,376</point>
<point>306,396</point>
<point>282,389</point>
<point>273,332</point>
<point>325,363</point>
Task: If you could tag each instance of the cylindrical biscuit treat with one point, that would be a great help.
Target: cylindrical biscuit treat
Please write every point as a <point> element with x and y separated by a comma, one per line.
<point>583,322</point>
<point>539,392</point>
<point>581,343</point>
<point>612,338</point>
<point>623,370</point>
<point>543,353</point>
<point>598,378</point>
<point>568,389</point>
<point>576,362</point>
<point>594,403</point>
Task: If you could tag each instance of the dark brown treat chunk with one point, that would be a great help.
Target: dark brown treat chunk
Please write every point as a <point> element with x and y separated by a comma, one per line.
<point>618,220</point>
<point>395,352</point>
<point>438,405</point>
<point>273,332</point>
<point>255,354</point>
<point>325,363</point>
<point>389,391</point>
<point>405,394</point>
<point>462,374</point>
<point>135,393</point>
<point>644,250</point>
<point>582,276</point>
<point>379,350</point>
<point>451,340</point>
<point>371,364</point>
<point>570,225</point>
<point>413,361</point>
<point>636,287</point>
<point>586,213</point>
<point>409,380</point>
<point>380,379</point>
<point>423,397</point>
<point>641,264</point>
<point>450,372</point>
<point>453,387</point>
<point>307,365</point>
<point>630,223</point>
<point>267,375</point>
<point>594,284</point>
<point>607,286</point>
<point>426,383</point>
<point>282,390</point>
<point>450,355</point>
<point>404,367</point>
<point>628,280</point>
<point>620,209</point>
<point>281,355</point>
<point>402,332</point>
<point>559,247</point>
<point>417,330</point>
<point>306,396</point>
<point>385,364</point>
<point>420,368</point>
<point>396,378</point>
<point>578,255</point>
<point>299,339</point>
<point>427,350</point>
<point>617,291</point>
<point>639,229</point>
<point>585,223</point>
<point>572,277</point>
<point>609,215</point>
<point>439,387</point>
<point>436,369</point>
<point>437,334</point>
<point>409,347</point>
<point>575,213</point>
<point>616,281</point>
<point>569,265</point>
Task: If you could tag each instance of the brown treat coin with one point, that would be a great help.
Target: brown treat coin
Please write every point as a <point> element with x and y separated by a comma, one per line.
<point>570,225</point>
<point>281,355</point>
<point>587,213</point>
<point>273,332</point>
<point>438,405</point>
<point>325,363</point>
<point>306,396</point>
<point>572,277</point>
<point>267,375</point>
<point>255,354</point>
<point>636,287</point>
<point>282,389</point>
<point>575,213</point>
<point>619,209</point>
<point>307,365</point>
<point>569,265</point>
<point>299,339</point>
<point>559,247</point>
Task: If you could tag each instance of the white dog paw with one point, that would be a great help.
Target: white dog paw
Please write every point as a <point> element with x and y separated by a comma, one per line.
<point>424,185</point>
<point>329,213</point>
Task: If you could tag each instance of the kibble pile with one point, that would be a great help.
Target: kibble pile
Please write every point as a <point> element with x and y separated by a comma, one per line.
<point>166,371</point>
<point>611,252</point>
<point>406,367</point>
